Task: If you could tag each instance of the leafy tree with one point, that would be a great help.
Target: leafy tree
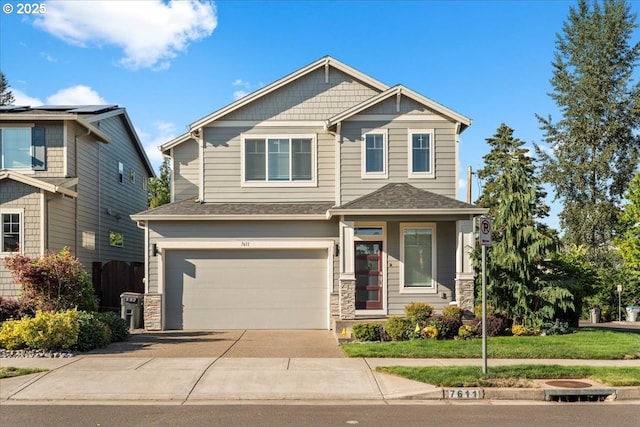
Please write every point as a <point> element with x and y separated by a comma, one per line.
<point>53,282</point>
<point>515,199</point>
<point>595,145</point>
<point>628,238</point>
<point>160,187</point>
<point>6,96</point>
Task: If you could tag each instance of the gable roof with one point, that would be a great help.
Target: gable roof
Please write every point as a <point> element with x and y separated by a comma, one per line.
<point>326,61</point>
<point>85,115</point>
<point>60,186</point>
<point>402,199</point>
<point>399,90</point>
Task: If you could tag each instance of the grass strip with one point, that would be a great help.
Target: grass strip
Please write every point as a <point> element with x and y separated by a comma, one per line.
<point>583,344</point>
<point>10,371</point>
<point>513,376</point>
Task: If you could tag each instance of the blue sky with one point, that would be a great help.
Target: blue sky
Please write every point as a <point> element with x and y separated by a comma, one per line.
<point>170,64</point>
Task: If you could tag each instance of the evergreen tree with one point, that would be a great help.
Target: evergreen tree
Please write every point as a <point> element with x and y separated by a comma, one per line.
<point>160,187</point>
<point>6,96</point>
<point>595,144</point>
<point>514,196</point>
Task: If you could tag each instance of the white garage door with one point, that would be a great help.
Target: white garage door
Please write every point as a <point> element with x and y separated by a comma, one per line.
<point>246,289</point>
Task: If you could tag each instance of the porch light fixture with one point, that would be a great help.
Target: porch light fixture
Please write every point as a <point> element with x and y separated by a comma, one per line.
<point>337,253</point>
<point>154,249</point>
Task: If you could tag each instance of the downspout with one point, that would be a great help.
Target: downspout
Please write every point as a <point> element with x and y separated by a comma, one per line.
<point>338,184</point>
<point>198,136</point>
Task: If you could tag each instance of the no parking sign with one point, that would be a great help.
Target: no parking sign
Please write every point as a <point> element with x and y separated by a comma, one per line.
<point>485,230</point>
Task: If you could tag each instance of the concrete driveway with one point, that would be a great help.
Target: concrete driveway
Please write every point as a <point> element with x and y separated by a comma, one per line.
<point>230,343</point>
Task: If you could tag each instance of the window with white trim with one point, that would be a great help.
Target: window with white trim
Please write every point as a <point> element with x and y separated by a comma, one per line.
<point>279,160</point>
<point>417,257</point>
<point>421,153</point>
<point>22,147</point>
<point>374,154</point>
<point>11,240</point>
<point>120,172</point>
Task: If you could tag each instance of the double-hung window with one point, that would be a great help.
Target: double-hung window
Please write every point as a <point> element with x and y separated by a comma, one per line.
<point>417,257</point>
<point>421,154</point>
<point>374,154</point>
<point>22,148</point>
<point>12,232</point>
<point>279,160</point>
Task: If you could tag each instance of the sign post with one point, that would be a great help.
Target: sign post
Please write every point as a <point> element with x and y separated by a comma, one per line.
<point>485,240</point>
<point>619,301</point>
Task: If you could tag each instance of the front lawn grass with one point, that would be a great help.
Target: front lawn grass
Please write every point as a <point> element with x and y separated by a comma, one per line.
<point>10,371</point>
<point>583,344</point>
<point>513,376</point>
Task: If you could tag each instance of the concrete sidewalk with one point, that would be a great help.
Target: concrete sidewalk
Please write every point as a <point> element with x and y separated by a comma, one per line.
<point>154,380</point>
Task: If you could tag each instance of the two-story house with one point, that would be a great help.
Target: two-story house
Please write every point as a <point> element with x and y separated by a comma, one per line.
<point>324,195</point>
<point>71,176</point>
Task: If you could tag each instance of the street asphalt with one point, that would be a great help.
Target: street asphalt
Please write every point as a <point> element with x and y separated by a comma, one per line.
<point>198,367</point>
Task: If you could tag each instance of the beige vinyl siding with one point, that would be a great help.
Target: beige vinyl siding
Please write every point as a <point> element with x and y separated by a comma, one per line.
<point>223,164</point>
<point>354,186</point>
<point>15,195</point>
<point>60,226</point>
<point>90,165</point>
<point>186,170</point>
<point>228,230</point>
<point>308,98</point>
<point>445,269</point>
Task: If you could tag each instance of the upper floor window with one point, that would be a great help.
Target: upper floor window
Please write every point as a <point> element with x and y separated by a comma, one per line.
<point>11,238</point>
<point>374,154</point>
<point>279,160</point>
<point>116,239</point>
<point>22,148</point>
<point>120,172</point>
<point>421,154</point>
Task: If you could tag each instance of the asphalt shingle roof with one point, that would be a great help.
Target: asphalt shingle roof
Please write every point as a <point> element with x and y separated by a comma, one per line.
<point>404,196</point>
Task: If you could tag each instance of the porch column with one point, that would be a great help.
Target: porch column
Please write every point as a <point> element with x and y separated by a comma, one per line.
<point>347,276</point>
<point>465,244</point>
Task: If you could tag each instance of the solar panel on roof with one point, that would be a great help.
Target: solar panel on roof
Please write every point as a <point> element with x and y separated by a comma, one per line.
<point>92,108</point>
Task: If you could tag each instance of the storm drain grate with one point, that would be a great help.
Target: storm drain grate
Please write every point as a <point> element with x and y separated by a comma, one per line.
<point>575,391</point>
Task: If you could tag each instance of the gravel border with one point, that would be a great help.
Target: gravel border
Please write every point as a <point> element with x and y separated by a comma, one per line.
<point>33,354</point>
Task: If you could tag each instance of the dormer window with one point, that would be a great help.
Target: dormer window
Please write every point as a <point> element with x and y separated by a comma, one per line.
<point>278,160</point>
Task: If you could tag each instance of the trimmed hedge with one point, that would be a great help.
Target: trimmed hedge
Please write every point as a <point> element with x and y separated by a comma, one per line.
<point>366,331</point>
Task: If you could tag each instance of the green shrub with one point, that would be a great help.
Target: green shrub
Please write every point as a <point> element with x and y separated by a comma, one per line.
<point>477,311</point>
<point>92,332</point>
<point>52,330</point>
<point>366,331</point>
<point>465,332</point>
<point>398,328</point>
<point>452,311</point>
<point>418,312</point>
<point>430,332</point>
<point>11,333</point>
<point>118,326</point>
<point>556,328</point>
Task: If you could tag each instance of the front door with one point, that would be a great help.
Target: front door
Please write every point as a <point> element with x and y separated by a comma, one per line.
<point>368,266</point>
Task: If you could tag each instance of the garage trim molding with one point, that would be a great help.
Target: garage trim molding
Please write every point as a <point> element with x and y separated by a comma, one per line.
<point>164,245</point>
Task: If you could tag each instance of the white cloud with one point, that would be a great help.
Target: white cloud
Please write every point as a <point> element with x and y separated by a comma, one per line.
<point>161,133</point>
<point>245,88</point>
<point>76,95</point>
<point>151,32</point>
<point>23,99</point>
<point>48,57</point>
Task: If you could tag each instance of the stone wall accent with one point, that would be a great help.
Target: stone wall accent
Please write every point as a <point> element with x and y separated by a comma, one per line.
<point>465,294</point>
<point>153,312</point>
<point>335,304</point>
<point>347,299</point>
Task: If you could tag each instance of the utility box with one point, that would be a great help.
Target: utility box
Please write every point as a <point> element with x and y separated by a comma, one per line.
<point>131,309</point>
<point>595,315</point>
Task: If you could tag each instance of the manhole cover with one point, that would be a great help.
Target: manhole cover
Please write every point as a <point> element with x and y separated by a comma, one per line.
<point>568,384</point>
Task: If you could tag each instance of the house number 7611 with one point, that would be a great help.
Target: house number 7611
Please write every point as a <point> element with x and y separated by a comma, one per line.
<point>245,244</point>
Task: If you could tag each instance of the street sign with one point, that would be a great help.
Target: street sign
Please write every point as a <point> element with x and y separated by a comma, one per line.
<point>485,231</point>
<point>619,288</point>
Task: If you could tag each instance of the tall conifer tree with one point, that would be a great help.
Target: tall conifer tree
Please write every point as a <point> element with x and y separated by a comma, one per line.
<point>595,145</point>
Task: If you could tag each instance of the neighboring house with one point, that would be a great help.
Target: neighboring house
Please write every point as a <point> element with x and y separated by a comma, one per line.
<point>325,195</point>
<point>71,176</point>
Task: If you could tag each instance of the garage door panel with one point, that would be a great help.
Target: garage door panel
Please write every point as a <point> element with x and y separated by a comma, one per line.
<point>267,289</point>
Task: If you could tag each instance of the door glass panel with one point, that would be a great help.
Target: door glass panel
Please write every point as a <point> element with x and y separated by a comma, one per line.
<point>368,266</point>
